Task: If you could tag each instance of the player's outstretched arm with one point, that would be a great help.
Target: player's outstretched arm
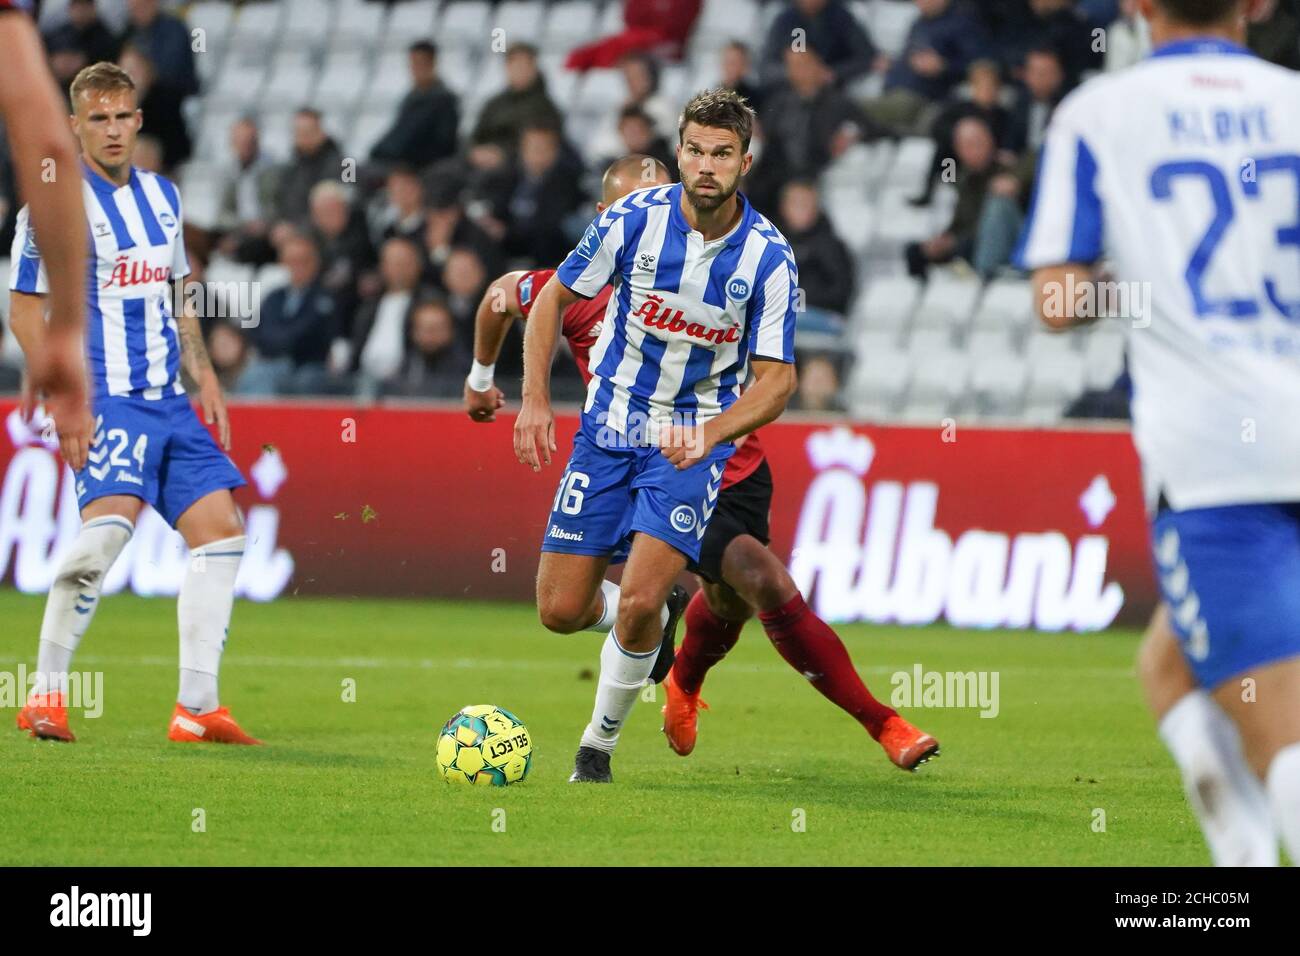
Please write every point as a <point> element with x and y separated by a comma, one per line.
<point>27,319</point>
<point>45,158</point>
<point>195,360</point>
<point>498,308</point>
<point>535,426</point>
<point>1054,307</point>
<point>761,402</point>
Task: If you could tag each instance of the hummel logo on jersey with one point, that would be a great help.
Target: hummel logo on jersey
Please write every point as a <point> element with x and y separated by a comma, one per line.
<point>101,229</point>
<point>645,261</point>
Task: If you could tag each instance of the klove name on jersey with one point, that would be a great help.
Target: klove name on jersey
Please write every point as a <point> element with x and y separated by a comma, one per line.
<point>74,908</point>
<point>139,273</point>
<point>873,553</point>
<point>656,316</point>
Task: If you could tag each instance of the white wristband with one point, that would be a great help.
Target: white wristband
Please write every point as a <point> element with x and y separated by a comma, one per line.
<point>480,376</point>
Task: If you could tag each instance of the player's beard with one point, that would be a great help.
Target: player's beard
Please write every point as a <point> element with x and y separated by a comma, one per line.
<point>707,202</point>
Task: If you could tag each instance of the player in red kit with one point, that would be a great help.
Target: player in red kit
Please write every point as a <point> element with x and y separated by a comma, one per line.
<point>738,573</point>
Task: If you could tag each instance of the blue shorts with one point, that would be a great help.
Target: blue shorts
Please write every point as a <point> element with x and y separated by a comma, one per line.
<point>157,451</point>
<point>607,494</point>
<point>1231,578</point>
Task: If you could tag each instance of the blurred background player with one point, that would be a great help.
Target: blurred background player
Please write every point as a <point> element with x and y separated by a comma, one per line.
<point>706,284</point>
<point>45,156</point>
<point>148,445</point>
<point>737,572</point>
<point>1185,168</point>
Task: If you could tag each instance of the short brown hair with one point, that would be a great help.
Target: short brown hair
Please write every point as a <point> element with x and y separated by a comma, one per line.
<point>720,108</point>
<point>1200,13</point>
<point>101,77</point>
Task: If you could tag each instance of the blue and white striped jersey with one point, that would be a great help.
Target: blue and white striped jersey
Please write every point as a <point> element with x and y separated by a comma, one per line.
<point>1184,170</point>
<point>136,249</point>
<point>686,315</point>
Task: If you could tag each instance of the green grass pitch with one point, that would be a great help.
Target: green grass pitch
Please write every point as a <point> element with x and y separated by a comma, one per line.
<point>354,782</point>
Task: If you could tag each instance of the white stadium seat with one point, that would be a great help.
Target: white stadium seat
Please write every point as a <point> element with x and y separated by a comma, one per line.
<point>1103,357</point>
<point>358,25</point>
<point>1056,379</point>
<point>924,342</point>
<point>948,301</point>
<point>600,91</point>
<point>878,381</point>
<point>1044,345</point>
<point>990,342</point>
<point>465,23</point>
<point>256,29</point>
<point>1006,304</point>
<point>289,85</point>
<point>408,22</point>
<point>890,22</point>
<point>566,24</point>
<point>306,23</point>
<point>888,303</point>
<point>342,80</point>
<point>999,385</point>
<point>237,87</point>
<point>519,21</point>
<point>939,377</point>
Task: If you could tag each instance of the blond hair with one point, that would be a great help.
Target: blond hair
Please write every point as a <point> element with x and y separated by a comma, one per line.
<point>101,77</point>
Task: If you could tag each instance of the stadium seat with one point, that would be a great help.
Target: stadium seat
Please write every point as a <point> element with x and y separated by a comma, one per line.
<point>288,84</point>
<point>465,23</point>
<point>214,18</point>
<point>873,342</point>
<point>222,270</point>
<point>852,216</point>
<point>998,384</point>
<point>925,342</point>
<point>887,304</point>
<point>237,88</point>
<point>342,80</point>
<point>911,164</point>
<point>270,277</point>
<point>877,383</point>
<point>1043,345</point>
<point>719,23</point>
<point>567,23</point>
<point>925,413</point>
<point>275,132</point>
<point>939,377</point>
<point>306,24</point>
<point>983,342</point>
<point>408,22</point>
<point>213,140</point>
<point>517,19</point>
<point>1056,379</point>
<point>600,92</point>
<point>369,127</point>
<point>561,84</point>
<point>890,22</point>
<point>948,301</point>
<point>1006,304</point>
<point>1043,414</point>
<point>611,20</point>
<point>257,29</point>
<point>359,26</point>
<point>458,67</point>
<point>390,79</point>
<point>1103,356</point>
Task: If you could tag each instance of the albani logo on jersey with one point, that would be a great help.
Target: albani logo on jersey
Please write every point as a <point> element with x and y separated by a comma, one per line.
<point>656,314</point>
<point>128,271</point>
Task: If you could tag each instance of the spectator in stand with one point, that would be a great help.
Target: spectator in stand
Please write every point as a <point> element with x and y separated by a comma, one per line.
<point>436,361</point>
<point>523,101</point>
<point>296,326</point>
<point>1274,34</point>
<point>941,44</point>
<point>161,105</point>
<point>66,61</point>
<point>981,233</point>
<point>148,154</point>
<point>428,118</point>
<point>827,28</point>
<point>637,135</point>
<point>985,80</point>
<point>464,278</point>
<point>544,192</point>
<point>825,265</point>
<point>347,258</point>
<point>446,227</point>
<point>807,122</point>
<point>819,385</point>
<point>1044,79</point>
<point>399,210</point>
<point>316,157</point>
<point>247,197</point>
<point>86,32</point>
<point>738,74</point>
<point>378,344</point>
<point>641,74</point>
<point>229,353</point>
<point>1061,26</point>
<point>1128,39</point>
<point>658,27</point>
<point>165,42</point>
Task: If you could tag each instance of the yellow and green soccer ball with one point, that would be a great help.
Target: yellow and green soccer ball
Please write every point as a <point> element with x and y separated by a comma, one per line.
<point>485,745</point>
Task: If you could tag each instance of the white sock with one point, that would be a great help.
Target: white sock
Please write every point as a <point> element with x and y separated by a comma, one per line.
<point>206,598</point>
<point>74,596</point>
<point>610,591</point>
<point>1223,791</point>
<point>1284,794</point>
<point>622,674</point>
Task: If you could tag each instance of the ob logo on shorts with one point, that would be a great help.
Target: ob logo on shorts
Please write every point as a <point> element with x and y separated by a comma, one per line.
<point>683,518</point>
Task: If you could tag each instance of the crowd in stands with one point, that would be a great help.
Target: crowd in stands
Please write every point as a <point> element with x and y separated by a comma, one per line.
<point>382,258</point>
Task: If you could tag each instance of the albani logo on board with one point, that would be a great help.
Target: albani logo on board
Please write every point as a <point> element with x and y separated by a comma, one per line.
<point>39,520</point>
<point>870,551</point>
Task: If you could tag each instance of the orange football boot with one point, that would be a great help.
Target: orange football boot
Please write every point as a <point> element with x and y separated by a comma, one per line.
<point>681,711</point>
<point>45,716</point>
<point>907,746</point>
<point>217,727</point>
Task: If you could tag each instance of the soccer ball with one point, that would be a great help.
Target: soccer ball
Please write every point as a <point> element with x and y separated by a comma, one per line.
<point>485,745</point>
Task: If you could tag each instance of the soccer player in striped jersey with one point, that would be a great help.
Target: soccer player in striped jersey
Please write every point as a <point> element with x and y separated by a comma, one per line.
<point>148,445</point>
<point>1185,170</point>
<point>738,574</point>
<point>32,109</point>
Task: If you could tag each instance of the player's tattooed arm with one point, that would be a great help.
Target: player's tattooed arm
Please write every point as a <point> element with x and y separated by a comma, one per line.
<point>198,365</point>
<point>497,311</point>
<point>535,426</point>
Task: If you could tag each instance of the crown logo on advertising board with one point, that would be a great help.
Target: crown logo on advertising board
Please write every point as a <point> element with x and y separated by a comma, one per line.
<point>839,447</point>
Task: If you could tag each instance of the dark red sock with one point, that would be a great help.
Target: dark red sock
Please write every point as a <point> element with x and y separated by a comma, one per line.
<point>708,638</point>
<point>809,646</point>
